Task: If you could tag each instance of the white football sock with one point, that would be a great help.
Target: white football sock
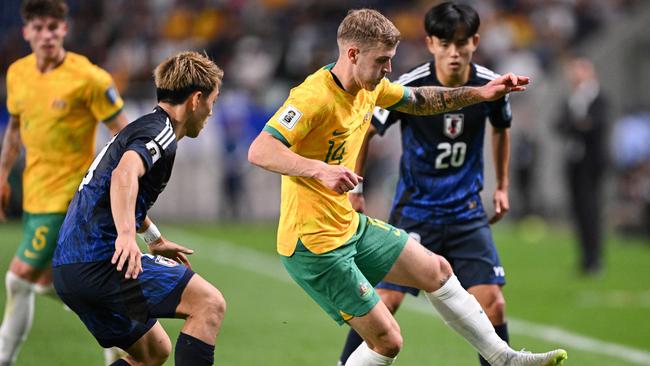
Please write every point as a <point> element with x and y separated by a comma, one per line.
<point>18,316</point>
<point>46,290</point>
<point>364,356</point>
<point>464,314</point>
<point>112,354</point>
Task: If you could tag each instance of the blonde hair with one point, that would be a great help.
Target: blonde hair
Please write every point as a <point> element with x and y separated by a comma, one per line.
<point>180,75</point>
<point>367,27</point>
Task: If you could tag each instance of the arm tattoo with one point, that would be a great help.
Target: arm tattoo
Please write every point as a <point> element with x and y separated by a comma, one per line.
<point>427,100</point>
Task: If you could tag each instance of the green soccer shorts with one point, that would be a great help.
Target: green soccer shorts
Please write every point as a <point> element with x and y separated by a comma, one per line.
<point>40,232</point>
<point>342,281</point>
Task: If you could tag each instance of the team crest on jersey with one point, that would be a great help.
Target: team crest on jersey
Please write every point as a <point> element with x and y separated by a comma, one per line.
<point>59,104</point>
<point>453,125</point>
<point>165,261</point>
<point>289,117</point>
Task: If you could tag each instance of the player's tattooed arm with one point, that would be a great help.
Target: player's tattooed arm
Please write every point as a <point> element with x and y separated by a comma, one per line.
<point>426,100</point>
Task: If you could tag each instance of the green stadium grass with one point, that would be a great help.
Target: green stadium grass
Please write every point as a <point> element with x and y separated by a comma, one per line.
<point>270,321</point>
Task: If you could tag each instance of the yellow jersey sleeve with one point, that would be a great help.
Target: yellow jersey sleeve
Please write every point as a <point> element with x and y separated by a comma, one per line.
<point>102,97</point>
<point>12,105</point>
<point>293,121</point>
<point>391,95</point>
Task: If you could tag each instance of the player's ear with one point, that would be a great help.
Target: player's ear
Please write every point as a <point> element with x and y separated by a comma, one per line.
<point>195,99</point>
<point>430,43</point>
<point>64,25</point>
<point>475,40</point>
<point>353,54</point>
<point>26,32</point>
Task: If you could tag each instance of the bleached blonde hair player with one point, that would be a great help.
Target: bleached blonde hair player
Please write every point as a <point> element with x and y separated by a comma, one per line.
<point>337,255</point>
<point>98,268</point>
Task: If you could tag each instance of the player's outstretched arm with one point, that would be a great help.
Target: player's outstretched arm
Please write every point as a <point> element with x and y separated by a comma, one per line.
<point>269,153</point>
<point>427,100</point>
<point>123,192</point>
<point>11,145</point>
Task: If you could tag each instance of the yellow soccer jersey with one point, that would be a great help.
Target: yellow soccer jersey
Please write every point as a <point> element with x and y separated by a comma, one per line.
<point>58,113</point>
<point>322,121</point>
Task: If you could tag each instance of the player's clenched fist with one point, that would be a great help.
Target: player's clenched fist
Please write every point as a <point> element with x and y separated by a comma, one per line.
<point>338,178</point>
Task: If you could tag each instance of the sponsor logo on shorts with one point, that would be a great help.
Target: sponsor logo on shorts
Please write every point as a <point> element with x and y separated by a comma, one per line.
<point>365,290</point>
<point>159,259</point>
<point>499,271</point>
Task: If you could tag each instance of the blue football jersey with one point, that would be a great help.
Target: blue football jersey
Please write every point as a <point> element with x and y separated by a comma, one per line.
<point>88,232</point>
<point>441,168</point>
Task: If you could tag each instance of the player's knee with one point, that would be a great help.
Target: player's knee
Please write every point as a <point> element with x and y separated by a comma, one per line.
<point>441,272</point>
<point>495,309</point>
<point>24,270</point>
<point>163,351</point>
<point>156,355</point>
<point>445,267</point>
<point>390,343</point>
<point>214,305</point>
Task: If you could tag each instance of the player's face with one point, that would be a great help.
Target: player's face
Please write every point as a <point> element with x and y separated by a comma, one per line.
<point>45,36</point>
<point>201,114</point>
<point>372,64</point>
<point>452,56</point>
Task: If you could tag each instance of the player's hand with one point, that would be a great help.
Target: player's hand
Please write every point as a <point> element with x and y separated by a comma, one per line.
<point>5,193</point>
<point>127,251</point>
<point>503,85</point>
<point>501,205</point>
<point>171,250</point>
<point>339,178</point>
<point>358,201</point>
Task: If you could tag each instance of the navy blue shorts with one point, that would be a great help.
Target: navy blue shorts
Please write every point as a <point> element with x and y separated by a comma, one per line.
<point>468,246</point>
<point>119,311</point>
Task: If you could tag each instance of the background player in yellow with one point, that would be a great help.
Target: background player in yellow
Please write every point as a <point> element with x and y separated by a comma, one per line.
<point>337,255</point>
<point>55,99</point>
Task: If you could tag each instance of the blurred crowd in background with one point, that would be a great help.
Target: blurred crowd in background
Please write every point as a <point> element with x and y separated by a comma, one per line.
<point>268,46</point>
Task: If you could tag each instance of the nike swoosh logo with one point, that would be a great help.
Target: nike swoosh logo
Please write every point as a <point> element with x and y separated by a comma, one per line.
<point>337,133</point>
<point>29,254</point>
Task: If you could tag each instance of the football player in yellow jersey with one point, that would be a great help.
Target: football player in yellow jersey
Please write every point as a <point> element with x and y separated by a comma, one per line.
<point>337,255</point>
<point>55,99</point>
